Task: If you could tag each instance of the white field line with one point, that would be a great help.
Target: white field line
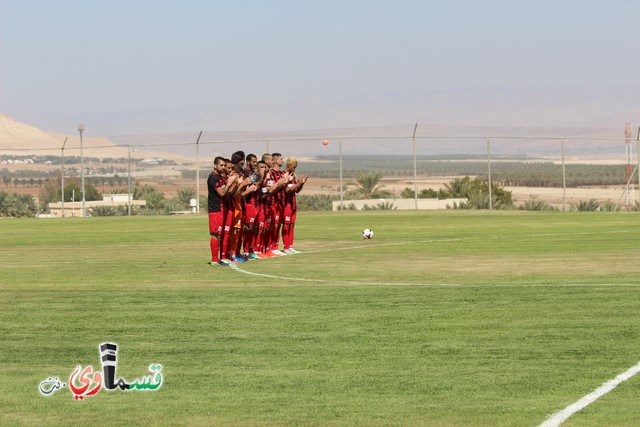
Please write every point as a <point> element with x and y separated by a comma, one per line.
<point>341,282</point>
<point>336,282</point>
<point>561,416</point>
<point>382,244</point>
<point>459,239</point>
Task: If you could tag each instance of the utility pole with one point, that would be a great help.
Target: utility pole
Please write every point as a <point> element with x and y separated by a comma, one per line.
<point>81,129</point>
<point>415,169</point>
<point>198,173</point>
<point>62,177</point>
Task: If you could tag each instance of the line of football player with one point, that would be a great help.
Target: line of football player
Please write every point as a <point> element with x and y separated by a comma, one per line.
<point>252,206</point>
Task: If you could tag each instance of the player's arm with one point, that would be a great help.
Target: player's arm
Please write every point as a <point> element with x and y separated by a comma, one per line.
<point>248,190</point>
<point>275,186</point>
<point>242,185</point>
<point>290,186</point>
<point>300,183</point>
<point>223,191</point>
<point>284,180</point>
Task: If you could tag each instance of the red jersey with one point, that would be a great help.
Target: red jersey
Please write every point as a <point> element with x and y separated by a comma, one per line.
<point>290,196</point>
<point>254,198</point>
<point>278,196</point>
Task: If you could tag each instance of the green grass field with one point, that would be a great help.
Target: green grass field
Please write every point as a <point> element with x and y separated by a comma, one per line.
<point>444,318</point>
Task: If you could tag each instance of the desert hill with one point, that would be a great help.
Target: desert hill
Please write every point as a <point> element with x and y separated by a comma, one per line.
<point>20,139</point>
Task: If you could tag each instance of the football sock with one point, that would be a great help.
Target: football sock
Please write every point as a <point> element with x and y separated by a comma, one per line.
<point>247,240</point>
<point>239,236</point>
<point>233,241</point>
<point>214,244</point>
<point>224,246</point>
<point>266,240</point>
<point>286,230</point>
<point>274,238</point>
<point>290,236</point>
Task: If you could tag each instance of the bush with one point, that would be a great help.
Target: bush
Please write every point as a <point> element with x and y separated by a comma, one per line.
<point>316,202</point>
<point>536,205</point>
<point>609,207</point>
<point>428,193</point>
<point>17,205</point>
<point>590,206</point>
<point>382,206</point>
<point>103,211</point>
<point>350,207</point>
<point>477,193</point>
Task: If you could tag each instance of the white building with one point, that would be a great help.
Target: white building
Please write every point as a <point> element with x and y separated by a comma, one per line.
<point>72,209</point>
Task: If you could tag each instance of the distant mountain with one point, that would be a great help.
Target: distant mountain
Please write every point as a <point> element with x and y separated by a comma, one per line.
<point>581,106</point>
<point>20,139</point>
<point>522,122</point>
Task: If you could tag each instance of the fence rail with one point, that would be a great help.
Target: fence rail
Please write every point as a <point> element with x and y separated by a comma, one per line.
<point>172,156</point>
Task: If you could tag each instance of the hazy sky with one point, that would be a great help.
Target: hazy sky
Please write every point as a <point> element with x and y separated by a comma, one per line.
<point>164,66</point>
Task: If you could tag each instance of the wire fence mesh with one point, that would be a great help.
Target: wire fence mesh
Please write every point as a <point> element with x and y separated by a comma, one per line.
<point>560,166</point>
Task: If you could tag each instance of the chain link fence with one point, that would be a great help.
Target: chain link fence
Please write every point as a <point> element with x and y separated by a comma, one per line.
<point>561,168</point>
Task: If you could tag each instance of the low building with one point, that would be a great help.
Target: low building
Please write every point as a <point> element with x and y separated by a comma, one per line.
<point>73,209</point>
<point>398,204</point>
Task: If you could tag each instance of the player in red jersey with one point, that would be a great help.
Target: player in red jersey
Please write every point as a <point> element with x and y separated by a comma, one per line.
<point>248,218</point>
<point>294,186</point>
<point>244,188</point>
<point>254,220</point>
<point>273,183</point>
<point>278,203</point>
<point>235,240</point>
<point>252,163</point>
<point>267,203</point>
<point>218,188</point>
<point>228,212</point>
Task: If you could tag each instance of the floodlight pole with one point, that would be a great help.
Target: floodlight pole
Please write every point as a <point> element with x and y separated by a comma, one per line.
<point>198,173</point>
<point>129,182</point>
<point>341,186</point>
<point>415,169</point>
<point>564,179</point>
<point>489,172</point>
<point>62,177</point>
<point>81,129</point>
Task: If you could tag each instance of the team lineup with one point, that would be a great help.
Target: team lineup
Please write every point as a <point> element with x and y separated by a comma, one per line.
<point>251,207</point>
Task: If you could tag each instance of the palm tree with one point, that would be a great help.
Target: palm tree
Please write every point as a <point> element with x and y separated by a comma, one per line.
<point>368,188</point>
<point>460,187</point>
<point>184,196</point>
<point>156,203</point>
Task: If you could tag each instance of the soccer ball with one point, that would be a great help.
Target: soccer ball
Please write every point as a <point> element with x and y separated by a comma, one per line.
<point>367,233</point>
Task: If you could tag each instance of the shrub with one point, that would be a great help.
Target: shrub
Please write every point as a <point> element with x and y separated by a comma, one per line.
<point>609,207</point>
<point>589,206</point>
<point>316,202</point>
<point>103,211</point>
<point>536,205</point>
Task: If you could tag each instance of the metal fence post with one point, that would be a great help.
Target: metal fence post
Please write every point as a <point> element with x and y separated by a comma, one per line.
<point>129,197</point>
<point>198,173</point>
<point>415,169</point>
<point>62,178</point>
<point>564,179</point>
<point>341,186</point>
<point>489,172</point>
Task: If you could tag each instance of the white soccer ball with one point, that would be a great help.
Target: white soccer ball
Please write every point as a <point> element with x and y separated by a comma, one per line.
<point>367,233</point>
